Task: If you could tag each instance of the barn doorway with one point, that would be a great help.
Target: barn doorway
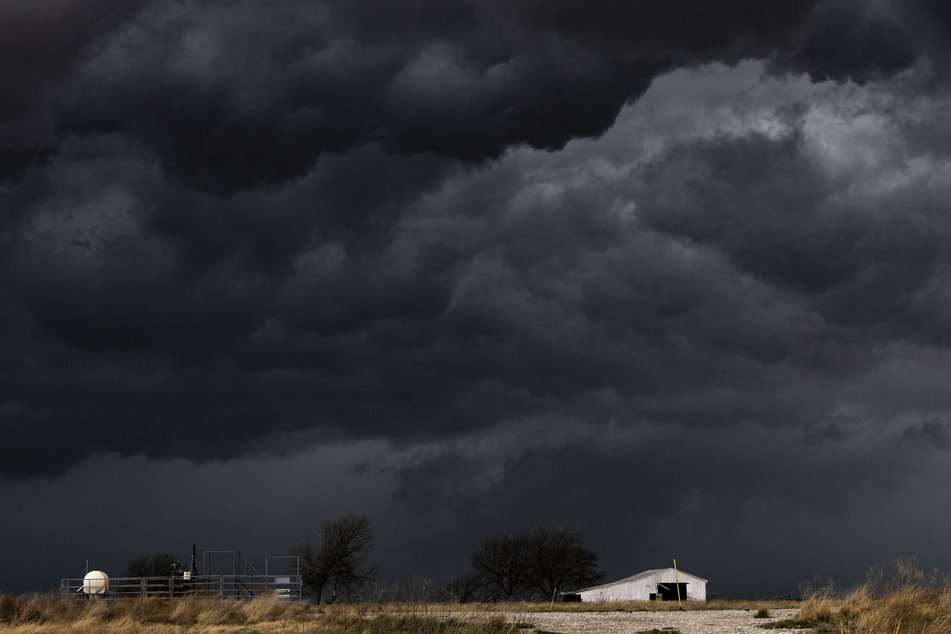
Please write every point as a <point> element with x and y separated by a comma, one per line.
<point>668,591</point>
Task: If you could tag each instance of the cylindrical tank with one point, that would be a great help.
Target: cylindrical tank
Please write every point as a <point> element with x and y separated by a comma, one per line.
<point>96,582</point>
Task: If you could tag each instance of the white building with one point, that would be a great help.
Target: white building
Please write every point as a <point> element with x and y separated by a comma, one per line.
<point>650,585</point>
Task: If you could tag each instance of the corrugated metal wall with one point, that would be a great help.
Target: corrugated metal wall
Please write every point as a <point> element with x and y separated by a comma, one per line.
<point>641,589</point>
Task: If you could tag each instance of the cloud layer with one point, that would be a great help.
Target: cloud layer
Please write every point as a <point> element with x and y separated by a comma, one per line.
<point>534,251</point>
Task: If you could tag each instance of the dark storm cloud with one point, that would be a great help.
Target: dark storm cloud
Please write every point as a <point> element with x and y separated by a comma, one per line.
<point>932,432</point>
<point>776,216</point>
<point>246,101</point>
<point>41,44</point>
<point>484,484</point>
<point>523,247</point>
<point>232,96</point>
<point>705,495</point>
<point>725,29</point>
<point>852,40</point>
<point>713,281</point>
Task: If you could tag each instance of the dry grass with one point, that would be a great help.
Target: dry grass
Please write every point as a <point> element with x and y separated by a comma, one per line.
<point>912,607</point>
<point>818,609</point>
<point>47,614</point>
<point>896,600</point>
<point>42,614</point>
<point>909,610</point>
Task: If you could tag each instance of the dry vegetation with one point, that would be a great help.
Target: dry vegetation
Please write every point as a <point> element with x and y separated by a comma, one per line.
<point>47,614</point>
<point>909,610</point>
<point>897,599</point>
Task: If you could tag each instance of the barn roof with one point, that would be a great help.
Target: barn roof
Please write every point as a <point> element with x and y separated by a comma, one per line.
<point>639,576</point>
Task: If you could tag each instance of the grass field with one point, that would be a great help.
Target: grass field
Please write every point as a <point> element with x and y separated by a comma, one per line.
<point>899,601</point>
<point>908,610</point>
<point>47,614</point>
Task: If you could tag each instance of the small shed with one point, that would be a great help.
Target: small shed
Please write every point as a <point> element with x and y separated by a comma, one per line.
<point>661,584</point>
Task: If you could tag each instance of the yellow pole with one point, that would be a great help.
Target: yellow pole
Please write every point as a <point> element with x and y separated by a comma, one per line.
<point>552,606</point>
<point>677,584</point>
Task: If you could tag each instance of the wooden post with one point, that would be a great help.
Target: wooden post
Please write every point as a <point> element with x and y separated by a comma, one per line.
<point>680,605</point>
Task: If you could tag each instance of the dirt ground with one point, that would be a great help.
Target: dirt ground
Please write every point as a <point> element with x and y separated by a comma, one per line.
<point>687,622</point>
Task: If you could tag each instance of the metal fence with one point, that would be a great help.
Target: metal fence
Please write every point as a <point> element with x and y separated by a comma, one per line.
<point>285,587</point>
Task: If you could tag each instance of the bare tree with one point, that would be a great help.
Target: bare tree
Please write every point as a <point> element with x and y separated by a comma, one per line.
<point>340,560</point>
<point>312,574</point>
<point>558,559</point>
<point>460,589</point>
<point>546,559</point>
<point>500,564</point>
<point>154,565</point>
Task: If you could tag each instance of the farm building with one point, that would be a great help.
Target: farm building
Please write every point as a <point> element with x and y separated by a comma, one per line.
<point>660,584</point>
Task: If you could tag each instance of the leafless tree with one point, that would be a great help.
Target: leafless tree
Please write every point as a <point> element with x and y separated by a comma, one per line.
<point>312,573</point>
<point>557,559</point>
<point>500,564</point>
<point>546,559</point>
<point>461,589</point>
<point>154,565</point>
<point>339,561</point>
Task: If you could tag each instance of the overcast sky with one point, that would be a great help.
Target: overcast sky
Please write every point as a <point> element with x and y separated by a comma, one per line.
<point>675,273</point>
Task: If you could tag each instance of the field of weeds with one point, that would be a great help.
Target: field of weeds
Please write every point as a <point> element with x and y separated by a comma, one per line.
<point>909,610</point>
<point>48,614</point>
<point>897,599</point>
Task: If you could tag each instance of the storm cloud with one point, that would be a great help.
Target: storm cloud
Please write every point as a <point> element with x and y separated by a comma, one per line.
<point>474,266</point>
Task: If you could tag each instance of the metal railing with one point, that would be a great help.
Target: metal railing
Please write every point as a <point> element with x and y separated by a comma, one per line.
<point>285,587</point>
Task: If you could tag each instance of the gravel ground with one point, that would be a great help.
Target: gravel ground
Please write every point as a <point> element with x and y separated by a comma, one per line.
<point>687,622</point>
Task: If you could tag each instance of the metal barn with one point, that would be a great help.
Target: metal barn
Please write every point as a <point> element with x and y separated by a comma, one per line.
<point>651,585</point>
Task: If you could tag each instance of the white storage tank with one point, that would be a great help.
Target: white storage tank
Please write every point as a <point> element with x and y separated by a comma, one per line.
<point>96,582</point>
